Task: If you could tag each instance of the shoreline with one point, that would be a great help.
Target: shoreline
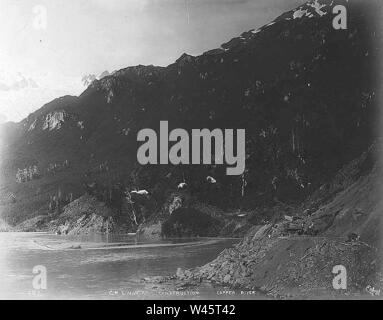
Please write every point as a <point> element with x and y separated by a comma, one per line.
<point>214,275</point>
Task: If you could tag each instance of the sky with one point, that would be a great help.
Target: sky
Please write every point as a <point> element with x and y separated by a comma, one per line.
<point>47,46</point>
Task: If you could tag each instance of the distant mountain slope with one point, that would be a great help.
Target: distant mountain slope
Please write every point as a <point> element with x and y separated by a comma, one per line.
<point>305,93</point>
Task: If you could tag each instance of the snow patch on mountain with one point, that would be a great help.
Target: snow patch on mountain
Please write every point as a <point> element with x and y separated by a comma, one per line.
<point>318,7</point>
<point>300,13</point>
<point>32,126</point>
<point>310,9</point>
<point>270,24</point>
<point>104,74</point>
<point>88,79</point>
<point>109,96</point>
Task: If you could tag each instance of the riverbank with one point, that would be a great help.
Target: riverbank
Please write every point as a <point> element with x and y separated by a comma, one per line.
<point>287,268</point>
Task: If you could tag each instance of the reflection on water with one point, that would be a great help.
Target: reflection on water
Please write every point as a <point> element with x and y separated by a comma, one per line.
<point>96,266</point>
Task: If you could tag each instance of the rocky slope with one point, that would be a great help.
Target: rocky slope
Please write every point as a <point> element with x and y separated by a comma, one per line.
<point>85,215</point>
<point>339,225</point>
<point>177,219</point>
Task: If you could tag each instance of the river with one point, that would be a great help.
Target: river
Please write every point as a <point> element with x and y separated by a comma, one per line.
<point>100,267</point>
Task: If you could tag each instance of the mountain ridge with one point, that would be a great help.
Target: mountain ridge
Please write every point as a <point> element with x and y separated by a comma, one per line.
<point>305,114</point>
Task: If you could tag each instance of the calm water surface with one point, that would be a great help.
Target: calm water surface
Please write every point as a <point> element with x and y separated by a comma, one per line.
<point>103,267</point>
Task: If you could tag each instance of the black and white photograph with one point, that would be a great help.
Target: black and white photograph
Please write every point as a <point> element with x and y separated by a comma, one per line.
<point>191,150</point>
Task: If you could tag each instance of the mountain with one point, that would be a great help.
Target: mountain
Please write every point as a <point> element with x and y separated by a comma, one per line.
<point>305,93</point>
<point>89,78</point>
